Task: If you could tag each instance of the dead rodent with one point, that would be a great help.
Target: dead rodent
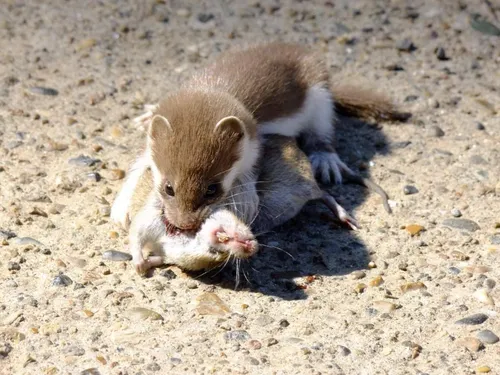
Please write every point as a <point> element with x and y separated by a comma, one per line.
<point>204,140</point>
<point>286,184</point>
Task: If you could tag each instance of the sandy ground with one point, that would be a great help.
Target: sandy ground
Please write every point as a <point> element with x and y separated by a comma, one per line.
<point>328,301</point>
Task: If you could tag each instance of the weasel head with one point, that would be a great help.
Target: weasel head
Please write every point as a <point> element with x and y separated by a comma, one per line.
<point>200,142</point>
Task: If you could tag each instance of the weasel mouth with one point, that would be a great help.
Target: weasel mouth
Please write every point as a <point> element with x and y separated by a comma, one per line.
<point>176,231</point>
<point>171,228</point>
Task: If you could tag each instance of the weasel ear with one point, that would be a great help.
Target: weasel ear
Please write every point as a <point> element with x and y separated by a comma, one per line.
<point>159,127</point>
<point>232,125</point>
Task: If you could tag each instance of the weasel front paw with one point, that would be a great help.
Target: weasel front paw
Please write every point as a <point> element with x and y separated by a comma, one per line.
<point>325,164</point>
<point>119,213</point>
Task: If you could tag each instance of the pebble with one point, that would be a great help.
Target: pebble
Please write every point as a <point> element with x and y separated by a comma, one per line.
<point>86,44</point>
<point>414,229</point>
<point>44,91</point>
<point>38,212</point>
<point>464,224</point>
<point>475,319</point>
<point>409,287</point>
<point>94,176</point>
<point>488,337</point>
<point>211,304</point>
<point>271,341</point>
<point>56,146</point>
<point>343,351</point>
<point>156,367</point>
<point>237,335</point>
<point>252,361</point>
<point>62,280</point>
<point>477,269</point>
<point>26,241</point>
<point>456,212</point>
<point>284,323</point>
<point>360,288</point>
<point>5,349</point>
<point>480,126</point>
<point>495,240</point>
<point>205,17</point>
<point>384,306</point>
<point>83,160</point>
<point>409,190</point>
<point>168,274</point>
<point>436,131</point>
<point>191,284</point>
<point>74,350</point>
<point>116,256</point>
<point>7,234</point>
<point>477,160</point>
<point>80,263</point>
<point>483,369</point>
<point>406,45</point>
<point>376,281</point>
<point>489,283</point>
<point>105,211</point>
<point>356,275</point>
<point>458,255</point>
<point>264,320</point>
<point>183,12</point>
<point>11,284</point>
<point>483,296</point>
<point>116,174</point>
<point>141,313</point>
<point>441,54</point>
<point>471,343</point>
<point>13,266</point>
<point>254,344</point>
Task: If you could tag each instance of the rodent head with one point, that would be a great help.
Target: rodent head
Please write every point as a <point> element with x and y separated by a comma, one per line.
<point>228,235</point>
<point>200,143</point>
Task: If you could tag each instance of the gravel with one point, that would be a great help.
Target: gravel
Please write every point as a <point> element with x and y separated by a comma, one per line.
<point>329,312</point>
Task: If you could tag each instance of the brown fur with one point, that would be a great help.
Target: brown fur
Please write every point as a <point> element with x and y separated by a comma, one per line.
<point>232,86</point>
<point>193,116</point>
<point>270,80</point>
<point>257,85</point>
<point>357,101</point>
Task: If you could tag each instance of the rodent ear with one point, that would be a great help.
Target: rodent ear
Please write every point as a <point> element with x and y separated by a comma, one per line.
<point>231,124</point>
<point>159,127</point>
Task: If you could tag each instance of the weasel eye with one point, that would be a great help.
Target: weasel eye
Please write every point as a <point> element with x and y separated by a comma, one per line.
<point>169,190</point>
<point>212,190</point>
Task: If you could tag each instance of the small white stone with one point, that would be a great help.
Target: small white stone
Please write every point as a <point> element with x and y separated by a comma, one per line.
<point>483,296</point>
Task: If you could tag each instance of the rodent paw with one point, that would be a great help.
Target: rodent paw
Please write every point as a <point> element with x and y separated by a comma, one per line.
<point>326,164</point>
<point>142,266</point>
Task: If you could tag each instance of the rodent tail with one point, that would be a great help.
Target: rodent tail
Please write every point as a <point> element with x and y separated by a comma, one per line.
<point>365,103</point>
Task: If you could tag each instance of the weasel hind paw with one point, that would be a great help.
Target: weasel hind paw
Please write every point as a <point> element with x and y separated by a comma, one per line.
<point>326,164</point>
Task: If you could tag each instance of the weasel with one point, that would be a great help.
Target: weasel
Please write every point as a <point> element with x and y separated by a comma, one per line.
<point>205,139</point>
<point>286,183</point>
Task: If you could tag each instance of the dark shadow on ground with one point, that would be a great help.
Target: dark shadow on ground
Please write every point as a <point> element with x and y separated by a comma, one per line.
<point>311,244</point>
